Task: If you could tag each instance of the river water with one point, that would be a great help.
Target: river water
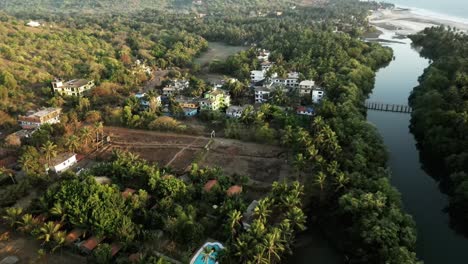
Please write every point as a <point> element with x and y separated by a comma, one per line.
<point>437,243</point>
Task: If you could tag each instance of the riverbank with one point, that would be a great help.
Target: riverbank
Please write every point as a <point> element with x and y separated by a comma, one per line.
<point>405,22</point>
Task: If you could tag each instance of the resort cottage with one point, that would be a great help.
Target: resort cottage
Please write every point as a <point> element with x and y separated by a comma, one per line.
<point>34,120</point>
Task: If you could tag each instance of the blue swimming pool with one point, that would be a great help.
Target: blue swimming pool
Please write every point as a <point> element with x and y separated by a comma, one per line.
<point>207,254</point>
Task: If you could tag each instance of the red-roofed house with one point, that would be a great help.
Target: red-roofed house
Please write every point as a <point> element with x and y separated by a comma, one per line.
<point>90,244</point>
<point>115,247</point>
<point>73,235</point>
<point>135,257</point>
<point>233,190</point>
<point>209,185</point>
<point>128,192</point>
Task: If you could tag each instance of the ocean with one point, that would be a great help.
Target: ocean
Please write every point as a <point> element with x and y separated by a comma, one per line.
<point>448,9</point>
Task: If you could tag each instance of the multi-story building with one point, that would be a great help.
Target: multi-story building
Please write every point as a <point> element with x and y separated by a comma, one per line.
<point>235,111</point>
<point>262,94</point>
<point>306,86</point>
<point>72,88</point>
<point>34,120</point>
<point>317,94</point>
<point>215,99</point>
<point>292,80</point>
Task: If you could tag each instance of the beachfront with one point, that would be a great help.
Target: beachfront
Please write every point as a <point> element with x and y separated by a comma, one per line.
<point>406,22</point>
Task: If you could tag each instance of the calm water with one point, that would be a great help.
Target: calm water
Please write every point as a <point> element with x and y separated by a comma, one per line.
<point>456,8</point>
<point>437,243</point>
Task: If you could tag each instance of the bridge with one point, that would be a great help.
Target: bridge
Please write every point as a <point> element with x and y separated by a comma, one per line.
<point>388,107</point>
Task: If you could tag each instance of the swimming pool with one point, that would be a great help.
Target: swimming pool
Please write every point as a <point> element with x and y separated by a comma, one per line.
<point>207,253</point>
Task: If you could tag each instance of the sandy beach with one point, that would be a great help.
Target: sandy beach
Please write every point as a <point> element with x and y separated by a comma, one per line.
<point>405,22</point>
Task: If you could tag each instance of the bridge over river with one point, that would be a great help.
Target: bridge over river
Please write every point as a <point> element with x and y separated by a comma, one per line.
<point>397,108</point>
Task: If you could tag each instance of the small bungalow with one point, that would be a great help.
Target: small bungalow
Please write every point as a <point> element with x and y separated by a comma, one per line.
<point>234,190</point>
<point>74,235</point>
<point>128,192</point>
<point>302,110</point>
<point>209,185</point>
<point>89,245</point>
<point>235,111</point>
<point>190,111</point>
<point>63,162</point>
<point>115,248</point>
<point>16,139</point>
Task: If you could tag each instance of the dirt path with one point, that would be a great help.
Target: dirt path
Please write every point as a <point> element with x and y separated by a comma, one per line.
<point>181,151</point>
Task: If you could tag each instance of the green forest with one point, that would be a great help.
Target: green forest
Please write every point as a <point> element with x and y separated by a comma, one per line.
<point>440,117</point>
<point>338,156</point>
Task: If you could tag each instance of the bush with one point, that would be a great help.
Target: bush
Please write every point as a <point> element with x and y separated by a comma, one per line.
<point>165,123</point>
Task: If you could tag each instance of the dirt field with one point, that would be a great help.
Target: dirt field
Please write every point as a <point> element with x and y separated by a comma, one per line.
<point>25,248</point>
<point>262,163</point>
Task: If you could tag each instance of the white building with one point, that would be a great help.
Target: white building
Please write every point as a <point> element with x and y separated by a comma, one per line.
<point>266,65</point>
<point>235,111</point>
<point>257,76</point>
<point>306,86</point>
<point>34,120</point>
<point>63,162</point>
<point>263,55</point>
<point>292,80</point>
<point>33,24</point>
<point>262,94</point>
<point>72,88</point>
<point>145,101</point>
<point>175,87</point>
<point>317,94</point>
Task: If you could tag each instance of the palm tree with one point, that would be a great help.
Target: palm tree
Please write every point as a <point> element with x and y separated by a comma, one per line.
<point>73,143</point>
<point>321,179</point>
<point>59,239</point>
<point>12,215</point>
<point>48,231</point>
<point>297,218</point>
<point>58,210</point>
<point>8,173</point>
<point>341,180</point>
<point>274,246</point>
<point>86,135</point>
<point>234,220</point>
<point>28,223</point>
<point>262,211</point>
<point>207,254</point>
<point>98,129</point>
<point>50,151</point>
<point>299,164</point>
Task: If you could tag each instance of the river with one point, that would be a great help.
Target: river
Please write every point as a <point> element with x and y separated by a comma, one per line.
<point>436,243</point>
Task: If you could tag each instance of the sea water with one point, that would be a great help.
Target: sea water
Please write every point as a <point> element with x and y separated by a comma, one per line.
<point>455,10</point>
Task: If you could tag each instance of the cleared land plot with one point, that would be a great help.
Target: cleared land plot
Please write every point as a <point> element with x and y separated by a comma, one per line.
<point>262,163</point>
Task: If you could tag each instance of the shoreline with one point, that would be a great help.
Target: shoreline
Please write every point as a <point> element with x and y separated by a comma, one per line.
<point>406,22</point>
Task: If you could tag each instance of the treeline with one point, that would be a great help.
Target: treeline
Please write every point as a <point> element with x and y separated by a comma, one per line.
<point>440,117</point>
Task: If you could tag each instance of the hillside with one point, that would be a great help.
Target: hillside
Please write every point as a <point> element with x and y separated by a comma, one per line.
<point>70,6</point>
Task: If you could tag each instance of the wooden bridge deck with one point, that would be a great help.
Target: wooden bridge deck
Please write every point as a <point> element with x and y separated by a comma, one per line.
<point>389,107</point>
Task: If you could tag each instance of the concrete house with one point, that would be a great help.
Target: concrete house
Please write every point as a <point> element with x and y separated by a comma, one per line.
<point>32,23</point>
<point>72,88</point>
<point>262,94</point>
<point>34,120</point>
<point>215,99</point>
<point>305,87</point>
<point>292,80</point>
<point>302,110</point>
<point>263,55</point>
<point>317,94</point>
<point>63,162</point>
<point>145,101</point>
<point>235,111</point>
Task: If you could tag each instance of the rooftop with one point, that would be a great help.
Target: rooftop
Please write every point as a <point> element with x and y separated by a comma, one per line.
<point>74,235</point>
<point>91,243</point>
<point>307,82</point>
<point>128,192</point>
<point>233,190</point>
<point>209,185</point>
<point>43,112</point>
<point>76,83</point>
<point>61,157</point>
